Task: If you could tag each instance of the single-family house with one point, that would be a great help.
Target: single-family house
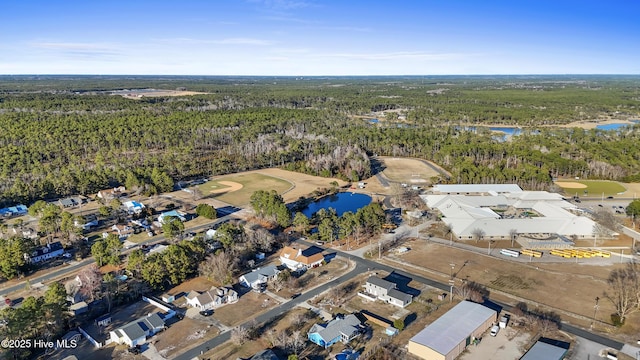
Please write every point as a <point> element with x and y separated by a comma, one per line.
<point>267,354</point>
<point>342,328</point>
<point>68,202</point>
<point>88,225</point>
<point>298,259</point>
<point>387,291</point>
<point>14,211</point>
<point>133,207</point>
<point>212,298</point>
<point>50,251</point>
<point>136,332</point>
<point>258,278</point>
<point>78,308</point>
<point>122,230</point>
<point>169,214</point>
<point>27,233</point>
<point>109,194</point>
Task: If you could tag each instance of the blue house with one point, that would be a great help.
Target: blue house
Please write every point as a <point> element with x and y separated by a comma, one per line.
<point>342,328</point>
<point>13,211</point>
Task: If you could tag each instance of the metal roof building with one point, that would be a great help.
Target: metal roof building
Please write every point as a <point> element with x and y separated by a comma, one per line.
<point>475,188</point>
<point>547,349</point>
<point>449,335</point>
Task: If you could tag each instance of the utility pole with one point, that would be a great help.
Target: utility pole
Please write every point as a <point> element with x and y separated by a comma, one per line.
<point>379,250</point>
<point>595,312</point>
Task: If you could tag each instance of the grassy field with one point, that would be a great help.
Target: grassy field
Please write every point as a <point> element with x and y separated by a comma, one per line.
<point>594,188</point>
<point>406,170</point>
<point>250,182</point>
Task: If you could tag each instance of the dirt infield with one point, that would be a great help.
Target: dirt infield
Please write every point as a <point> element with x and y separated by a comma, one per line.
<point>230,186</point>
<point>571,185</point>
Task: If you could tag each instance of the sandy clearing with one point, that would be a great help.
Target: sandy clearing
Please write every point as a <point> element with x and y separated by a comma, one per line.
<point>571,185</point>
<point>231,186</point>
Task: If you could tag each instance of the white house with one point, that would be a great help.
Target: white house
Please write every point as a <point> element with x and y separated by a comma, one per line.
<point>50,251</point>
<point>136,332</point>
<point>386,291</point>
<point>212,298</point>
<point>259,277</point>
<point>298,259</point>
<point>133,207</point>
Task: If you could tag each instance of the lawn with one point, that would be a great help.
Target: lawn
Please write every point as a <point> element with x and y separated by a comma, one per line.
<point>250,182</point>
<point>594,188</point>
<point>407,170</point>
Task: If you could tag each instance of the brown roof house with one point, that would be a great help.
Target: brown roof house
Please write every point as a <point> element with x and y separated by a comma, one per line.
<point>300,260</point>
<point>108,194</point>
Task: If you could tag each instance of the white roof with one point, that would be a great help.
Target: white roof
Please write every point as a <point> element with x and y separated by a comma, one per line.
<point>452,328</point>
<point>476,188</point>
<point>466,213</point>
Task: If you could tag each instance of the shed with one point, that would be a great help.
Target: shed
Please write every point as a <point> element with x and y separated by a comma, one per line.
<point>547,349</point>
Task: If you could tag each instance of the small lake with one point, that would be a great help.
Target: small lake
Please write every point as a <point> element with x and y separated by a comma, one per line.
<point>511,131</point>
<point>341,202</point>
<point>615,126</point>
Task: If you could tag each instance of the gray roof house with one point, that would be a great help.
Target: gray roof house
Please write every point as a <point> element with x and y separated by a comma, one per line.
<point>259,277</point>
<point>387,292</point>
<point>212,298</point>
<point>342,328</point>
<point>136,332</point>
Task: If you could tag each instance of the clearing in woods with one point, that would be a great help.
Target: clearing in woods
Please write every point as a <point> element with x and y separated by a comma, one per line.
<point>407,170</point>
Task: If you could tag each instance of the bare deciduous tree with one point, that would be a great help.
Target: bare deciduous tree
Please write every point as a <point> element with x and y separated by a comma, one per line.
<point>471,291</point>
<point>239,335</point>
<point>90,280</point>
<point>478,234</point>
<point>218,267</point>
<point>623,290</point>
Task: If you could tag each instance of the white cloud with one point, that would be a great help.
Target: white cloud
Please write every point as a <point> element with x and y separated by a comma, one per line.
<point>398,56</point>
<point>79,50</point>
<point>227,41</point>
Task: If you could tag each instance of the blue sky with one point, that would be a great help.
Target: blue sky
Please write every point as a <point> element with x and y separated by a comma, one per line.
<point>320,37</point>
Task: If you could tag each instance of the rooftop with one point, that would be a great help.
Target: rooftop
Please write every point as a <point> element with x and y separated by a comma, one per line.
<point>452,328</point>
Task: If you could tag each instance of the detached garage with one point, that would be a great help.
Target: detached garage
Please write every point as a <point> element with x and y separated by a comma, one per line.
<point>447,337</point>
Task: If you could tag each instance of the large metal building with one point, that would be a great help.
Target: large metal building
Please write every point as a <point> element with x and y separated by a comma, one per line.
<point>449,335</point>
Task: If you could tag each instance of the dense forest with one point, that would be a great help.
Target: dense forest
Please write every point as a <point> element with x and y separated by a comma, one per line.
<point>63,135</point>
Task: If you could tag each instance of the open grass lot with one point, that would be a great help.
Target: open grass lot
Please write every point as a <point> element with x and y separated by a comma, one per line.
<point>594,188</point>
<point>314,277</point>
<point>562,286</point>
<point>250,182</point>
<point>183,334</point>
<point>406,170</point>
<point>248,306</point>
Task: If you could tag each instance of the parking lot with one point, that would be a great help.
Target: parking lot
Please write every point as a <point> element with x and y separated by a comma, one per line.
<point>507,345</point>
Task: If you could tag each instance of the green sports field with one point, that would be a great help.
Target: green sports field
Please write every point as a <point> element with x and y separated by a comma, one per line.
<point>591,188</point>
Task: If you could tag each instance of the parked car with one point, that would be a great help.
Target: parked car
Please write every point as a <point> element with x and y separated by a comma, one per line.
<point>494,330</point>
<point>208,312</point>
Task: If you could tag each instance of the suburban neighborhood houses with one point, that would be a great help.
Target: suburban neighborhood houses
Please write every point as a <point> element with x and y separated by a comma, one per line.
<point>340,329</point>
<point>328,299</point>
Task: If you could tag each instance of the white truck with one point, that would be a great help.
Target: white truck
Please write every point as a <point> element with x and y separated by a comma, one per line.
<point>504,319</point>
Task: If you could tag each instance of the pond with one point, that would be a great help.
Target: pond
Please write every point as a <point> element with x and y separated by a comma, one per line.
<point>615,126</point>
<point>341,202</point>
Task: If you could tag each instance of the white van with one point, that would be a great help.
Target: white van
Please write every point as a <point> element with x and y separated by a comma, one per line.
<point>494,330</point>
